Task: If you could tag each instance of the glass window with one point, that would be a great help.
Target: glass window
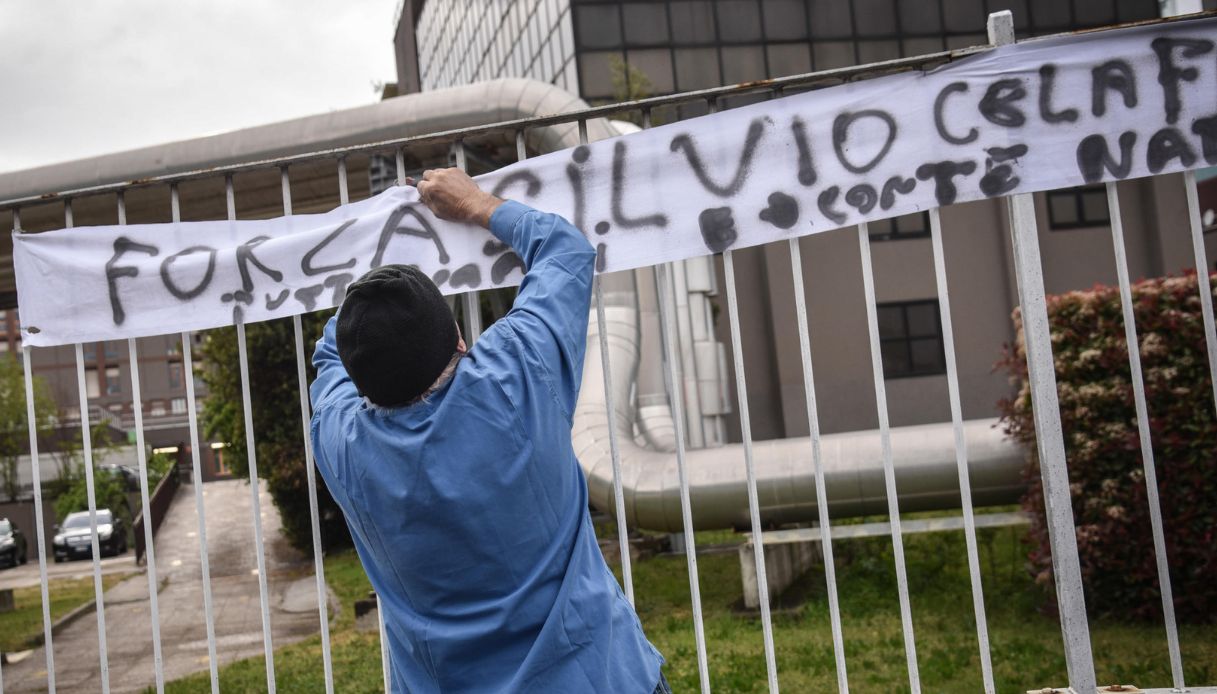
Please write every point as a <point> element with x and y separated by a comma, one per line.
<point>3,344</point>
<point>923,46</point>
<point>1095,11</point>
<point>92,386</point>
<point>875,51</point>
<point>113,383</point>
<point>656,65</point>
<point>967,40</point>
<point>1049,14</point>
<point>788,59</point>
<point>90,350</point>
<point>175,374</point>
<point>596,73</point>
<point>178,405</point>
<point>910,335</point>
<point>1077,208</point>
<point>832,54</point>
<point>599,26</point>
<point>743,64</point>
<point>831,19</point>
<point>785,20</point>
<point>3,316</point>
<point>157,409</point>
<point>111,349</point>
<point>916,18</point>
<point>969,15</point>
<point>696,68</point>
<point>692,22</point>
<point>878,17</point>
<point>646,24</point>
<point>908,226</point>
<point>739,20</point>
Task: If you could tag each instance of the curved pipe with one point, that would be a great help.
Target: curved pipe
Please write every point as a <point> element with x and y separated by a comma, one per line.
<point>924,456</point>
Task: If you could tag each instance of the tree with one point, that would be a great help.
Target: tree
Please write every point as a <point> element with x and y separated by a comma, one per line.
<point>14,425</point>
<point>276,414</point>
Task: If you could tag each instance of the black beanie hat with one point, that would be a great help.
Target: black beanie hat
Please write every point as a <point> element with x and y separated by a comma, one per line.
<point>396,334</point>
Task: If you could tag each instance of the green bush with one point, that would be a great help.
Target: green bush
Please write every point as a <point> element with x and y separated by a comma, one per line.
<point>1107,482</point>
<point>110,491</point>
<point>278,433</point>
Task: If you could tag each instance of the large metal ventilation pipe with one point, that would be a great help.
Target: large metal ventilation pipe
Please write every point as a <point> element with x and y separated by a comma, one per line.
<point>924,456</point>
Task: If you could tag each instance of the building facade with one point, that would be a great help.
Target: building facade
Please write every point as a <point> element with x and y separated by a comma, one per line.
<point>613,50</point>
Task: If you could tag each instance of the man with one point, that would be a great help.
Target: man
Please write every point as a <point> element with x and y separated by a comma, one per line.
<point>456,473</point>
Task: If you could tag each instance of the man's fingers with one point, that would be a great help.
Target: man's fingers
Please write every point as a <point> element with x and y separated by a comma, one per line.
<point>410,181</point>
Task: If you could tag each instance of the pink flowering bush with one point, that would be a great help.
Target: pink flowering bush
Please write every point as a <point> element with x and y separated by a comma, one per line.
<point>1103,449</point>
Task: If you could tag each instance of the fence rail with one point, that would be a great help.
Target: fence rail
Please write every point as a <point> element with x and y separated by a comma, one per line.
<point>1031,293</point>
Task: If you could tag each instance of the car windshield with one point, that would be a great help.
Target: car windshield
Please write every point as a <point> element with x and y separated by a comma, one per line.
<point>82,520</point>
<point>5,527</point>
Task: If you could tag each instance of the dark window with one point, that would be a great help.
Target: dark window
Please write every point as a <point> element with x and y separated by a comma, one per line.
<point>175,374</point>
<point>111,350</point>
<point>113,385</point>
<point>908,226</point>
<point>1078,208</point>
<point>910,338</point>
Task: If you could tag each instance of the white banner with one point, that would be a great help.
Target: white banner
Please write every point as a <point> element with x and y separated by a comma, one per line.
<point>1033,116</point>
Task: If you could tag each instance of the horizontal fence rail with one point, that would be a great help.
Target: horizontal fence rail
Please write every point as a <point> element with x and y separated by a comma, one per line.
<point>1021,218</point>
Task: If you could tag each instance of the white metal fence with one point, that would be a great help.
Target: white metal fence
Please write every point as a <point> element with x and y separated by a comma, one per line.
<point>1028,269</point>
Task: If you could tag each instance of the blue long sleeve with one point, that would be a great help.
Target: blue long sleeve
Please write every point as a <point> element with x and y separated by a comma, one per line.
<point>550,313</point>
<point>332,379</point>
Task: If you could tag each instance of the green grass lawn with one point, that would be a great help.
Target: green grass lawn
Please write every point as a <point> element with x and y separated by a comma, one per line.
<point>22,628</point>
<point>1026,644</point>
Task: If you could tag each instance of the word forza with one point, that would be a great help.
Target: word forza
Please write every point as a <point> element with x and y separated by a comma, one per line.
<point>1036,115</point>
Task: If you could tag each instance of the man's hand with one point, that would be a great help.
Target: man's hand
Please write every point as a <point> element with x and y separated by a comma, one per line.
<point>453,196</point>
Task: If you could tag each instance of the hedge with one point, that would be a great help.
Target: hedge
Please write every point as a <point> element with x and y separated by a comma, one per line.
<point>1102,445</point>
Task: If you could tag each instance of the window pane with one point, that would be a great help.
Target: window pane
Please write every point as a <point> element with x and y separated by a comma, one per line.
<point>967,40</point>
<point>874,51</point>
<point>878,17</point>
<point>923,46</point>
<point>599,26</point>
<point>927,356</point>
<point>833,54</point>
<point>1132,10</point>
<point>895,358</point>
<point>788,59</point>
<point>646,24</point>
<point>696,68</point>
<point>739,20</point>
<point>1094,206</point>
<point>656,65</point>
<point>1050,14</point>
<point>923,319</point>
<point>743,63</point>
<point>92,387</point>
<point>785,19</point>
<point>1062,208</point>
<point>915,224</point>
<point>597,75</point>
<point>968,15</point>
<point>1094,12</point>
<point>917,18</point>
<point>3,345</point>
<point>891,322</point>
<point>692,22</point>
<point>830,19</point>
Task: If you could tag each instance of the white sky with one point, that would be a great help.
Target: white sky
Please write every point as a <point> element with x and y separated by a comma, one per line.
<point>81,78</point>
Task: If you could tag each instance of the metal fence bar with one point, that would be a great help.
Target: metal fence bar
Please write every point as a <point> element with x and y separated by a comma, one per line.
<point>623,536</point>
<point>961,452</point>
<point>1143,430</point>
<point>36,472</point>
<point>1049,438</point>
<point>813,425</point>
<point>137,410</point>
<point>667,322</point>
<point>471,300</point>
<point>90,492</point>
<point>305,418</point>
<point>754,504</point>
<point>193,417</point>
<point>1202,271</point>
<point>889,472</point>
<point>251,454</point>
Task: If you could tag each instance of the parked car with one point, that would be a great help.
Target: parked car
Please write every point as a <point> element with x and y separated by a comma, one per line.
<point>73,539</point>
<point>130,475</point>
<point>13,549</point>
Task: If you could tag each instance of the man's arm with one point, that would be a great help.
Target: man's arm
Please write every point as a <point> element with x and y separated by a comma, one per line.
<point>332,379</point>
<point>551,311</point>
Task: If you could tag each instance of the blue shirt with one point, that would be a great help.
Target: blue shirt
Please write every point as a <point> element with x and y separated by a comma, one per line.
<point>469,510</point>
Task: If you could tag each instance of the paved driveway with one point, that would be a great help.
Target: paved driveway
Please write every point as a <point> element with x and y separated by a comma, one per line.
<point>235,601</point>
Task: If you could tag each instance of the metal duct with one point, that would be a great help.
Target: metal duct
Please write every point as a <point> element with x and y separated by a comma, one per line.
<point>924,456</point>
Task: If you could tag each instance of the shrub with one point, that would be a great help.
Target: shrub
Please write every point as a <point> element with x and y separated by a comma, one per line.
<point>1102,445</point>
<point>278,433</point>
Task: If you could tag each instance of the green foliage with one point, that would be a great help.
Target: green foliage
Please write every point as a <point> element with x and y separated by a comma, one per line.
<point>110,491</point>
<point>159,465</point>
<point>276,408</point>
<point>1102,443</point>
<point>14,427</point>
